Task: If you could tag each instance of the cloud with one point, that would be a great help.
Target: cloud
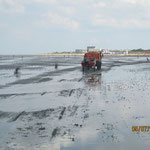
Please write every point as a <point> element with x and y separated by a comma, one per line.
<point>99,20</point>
<point>121,14</point>
<point>51,19</point>
<point>18,6</point>
<point>11,6</point>
<point>134,2</point>
<point>70,14</point>
<point>67,10</point>
<point>44,1</point>
<point>128,1</point>
<point>99,5</point>
<point>78,2</point>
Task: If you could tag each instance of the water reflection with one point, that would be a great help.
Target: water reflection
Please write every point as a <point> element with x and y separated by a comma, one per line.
<point>93,79</point>
<point>17,75</point>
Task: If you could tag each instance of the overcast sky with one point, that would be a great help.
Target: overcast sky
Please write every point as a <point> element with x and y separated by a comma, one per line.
<point>41,26</point>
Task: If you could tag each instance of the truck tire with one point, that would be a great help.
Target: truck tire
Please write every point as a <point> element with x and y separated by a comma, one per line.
<point>83,69</point>
<point>87,65</point>
<point>94,68</point>
<point>98,64</point>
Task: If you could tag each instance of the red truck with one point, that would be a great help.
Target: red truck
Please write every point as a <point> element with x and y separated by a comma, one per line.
<point>92,60</point>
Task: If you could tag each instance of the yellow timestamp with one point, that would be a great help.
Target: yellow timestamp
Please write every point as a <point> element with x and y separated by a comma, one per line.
<point>140,128</point>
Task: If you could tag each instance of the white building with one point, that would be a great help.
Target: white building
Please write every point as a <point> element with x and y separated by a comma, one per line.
<point>105,51</point>
<point>93,49</point>
<point>90,48</point>
<point>80,51</point>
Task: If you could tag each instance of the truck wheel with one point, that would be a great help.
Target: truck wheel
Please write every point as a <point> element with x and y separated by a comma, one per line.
<point>94,68</point>
<point>83,69</point>
<point>98,64</point>
<point>87,66</point>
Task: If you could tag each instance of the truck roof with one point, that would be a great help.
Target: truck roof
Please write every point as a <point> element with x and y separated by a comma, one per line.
<point>92,55</point>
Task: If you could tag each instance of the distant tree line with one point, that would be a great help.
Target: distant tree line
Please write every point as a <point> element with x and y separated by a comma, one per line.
<point>139,50</point>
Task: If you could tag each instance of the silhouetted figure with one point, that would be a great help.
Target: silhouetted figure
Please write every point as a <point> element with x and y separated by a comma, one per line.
<point>147,59</point>
<point>56,65</point>
<point>17,71</point>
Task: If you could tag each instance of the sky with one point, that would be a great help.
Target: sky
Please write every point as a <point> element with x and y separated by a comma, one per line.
<point>44,26</point>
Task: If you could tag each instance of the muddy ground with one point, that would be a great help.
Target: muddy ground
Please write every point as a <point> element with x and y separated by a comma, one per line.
<point>43,108</point>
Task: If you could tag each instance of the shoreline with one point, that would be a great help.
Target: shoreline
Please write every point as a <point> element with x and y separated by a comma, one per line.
<point>68,54</point>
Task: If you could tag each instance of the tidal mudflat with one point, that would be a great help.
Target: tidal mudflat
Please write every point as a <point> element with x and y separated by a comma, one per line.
<point>48,108</point>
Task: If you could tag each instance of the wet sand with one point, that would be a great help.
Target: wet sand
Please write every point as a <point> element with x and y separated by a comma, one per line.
<point>43,108</point>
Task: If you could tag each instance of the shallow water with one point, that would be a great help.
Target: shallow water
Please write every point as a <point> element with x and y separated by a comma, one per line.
<point>66,109</point>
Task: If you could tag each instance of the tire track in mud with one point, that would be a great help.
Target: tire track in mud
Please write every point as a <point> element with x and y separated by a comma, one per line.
<point>78,92</point>
<point>17,116</point>
<point>40,124</point>
<point>62,113</point>
<point>82,109</point>
<point>61,93</point>
<point>41,114</point>
<point>55,132</point>
<point>44,117</point>
<point>3,96</point>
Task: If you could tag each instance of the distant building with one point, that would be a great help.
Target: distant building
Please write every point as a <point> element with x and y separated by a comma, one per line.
<point>119,52</point>
<point>90,48</point>
<point>80,51</point>
<point>93,48</point>
<point>105,51</point>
